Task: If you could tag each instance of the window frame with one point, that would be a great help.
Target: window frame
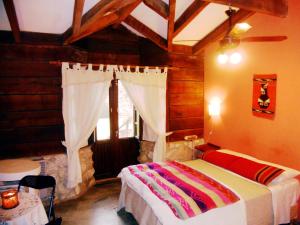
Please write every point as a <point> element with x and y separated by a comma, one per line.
<point>114,117</point>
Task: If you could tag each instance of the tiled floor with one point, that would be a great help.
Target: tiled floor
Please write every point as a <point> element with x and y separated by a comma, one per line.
<point>98,206</point>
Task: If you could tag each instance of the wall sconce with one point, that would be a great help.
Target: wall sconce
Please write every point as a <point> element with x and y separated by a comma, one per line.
<point>214,107</point>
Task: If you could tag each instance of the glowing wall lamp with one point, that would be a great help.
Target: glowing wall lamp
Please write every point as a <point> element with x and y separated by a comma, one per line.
<point>214,107</point>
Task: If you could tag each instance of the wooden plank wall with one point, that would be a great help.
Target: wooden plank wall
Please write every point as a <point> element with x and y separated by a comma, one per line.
<point>31,120</point>
<point>31,96</point>
<point>185,96</point>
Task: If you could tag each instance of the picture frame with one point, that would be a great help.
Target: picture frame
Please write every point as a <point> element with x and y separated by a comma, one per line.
<point>264,95</point>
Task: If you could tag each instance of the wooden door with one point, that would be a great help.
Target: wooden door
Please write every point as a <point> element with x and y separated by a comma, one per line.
<point>114,153</point>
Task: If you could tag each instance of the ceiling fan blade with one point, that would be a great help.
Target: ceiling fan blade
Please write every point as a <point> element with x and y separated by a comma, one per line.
<point>263,38</point>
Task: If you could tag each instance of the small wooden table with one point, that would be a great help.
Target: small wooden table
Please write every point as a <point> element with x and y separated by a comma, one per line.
<point>16,169</point>
<point>30,211</point>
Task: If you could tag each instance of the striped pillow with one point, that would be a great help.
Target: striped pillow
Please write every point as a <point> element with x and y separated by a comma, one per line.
<point>247,168</point>
<point>259,172</point>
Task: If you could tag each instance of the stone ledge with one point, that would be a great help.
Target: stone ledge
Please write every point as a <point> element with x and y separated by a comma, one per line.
<point>56,166</point>
<point>178,150</point>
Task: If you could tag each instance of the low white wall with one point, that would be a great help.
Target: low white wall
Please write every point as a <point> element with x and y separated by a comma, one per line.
<point>56,166</point>
<point>178,150</point>
<point>182,150</point>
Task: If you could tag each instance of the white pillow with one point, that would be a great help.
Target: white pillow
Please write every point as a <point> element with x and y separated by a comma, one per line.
<point>286,175</point>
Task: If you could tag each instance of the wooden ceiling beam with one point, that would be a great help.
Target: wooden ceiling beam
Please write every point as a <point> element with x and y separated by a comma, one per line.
<point>159,6</point>
<point>78,8</point>
<point>99,9</point>
<point>182,49</point>
<point>90,28</point>
<point>188,15</point>
<point>94,11</point>
<point>221,30</point>
<point>172,6</point>
<point>272,7</point>
<point>13,20</point>
<point>103,14</point>
<point>146,31</point>
<point>123,13</point>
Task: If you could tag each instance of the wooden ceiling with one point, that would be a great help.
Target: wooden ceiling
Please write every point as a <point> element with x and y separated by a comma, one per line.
<point>113,12</point>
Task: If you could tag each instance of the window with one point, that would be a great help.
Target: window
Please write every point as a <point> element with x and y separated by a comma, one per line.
<point>119,119</point>
<point>103,125</point>
<point>125,113</point>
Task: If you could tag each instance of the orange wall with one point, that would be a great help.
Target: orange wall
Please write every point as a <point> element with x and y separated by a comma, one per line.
<point>276,140</point>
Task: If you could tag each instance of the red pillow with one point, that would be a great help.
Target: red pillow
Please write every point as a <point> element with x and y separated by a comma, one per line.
<point>259,172</point>
<point>255,171</point>
<point>207,147</point>
<point>218,158</point>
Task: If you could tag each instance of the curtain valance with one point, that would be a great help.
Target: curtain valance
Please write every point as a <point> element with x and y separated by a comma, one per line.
<point>149,77</point>
<point>86,74</point>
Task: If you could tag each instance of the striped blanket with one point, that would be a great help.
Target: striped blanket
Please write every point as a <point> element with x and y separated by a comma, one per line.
<point>186,191</point>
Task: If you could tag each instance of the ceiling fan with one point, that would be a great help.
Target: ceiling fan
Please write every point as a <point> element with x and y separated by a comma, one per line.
<point>232,38</point>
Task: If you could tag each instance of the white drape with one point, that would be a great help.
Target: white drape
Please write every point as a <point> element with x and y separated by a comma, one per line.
<point>84,92</point>
<point>147,91</point>
<point>148,133</point>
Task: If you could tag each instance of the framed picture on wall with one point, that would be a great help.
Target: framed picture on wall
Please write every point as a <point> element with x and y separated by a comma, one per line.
<point>264,95</point>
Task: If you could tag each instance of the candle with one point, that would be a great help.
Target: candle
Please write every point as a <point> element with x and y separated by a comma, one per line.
<point>9,199</point>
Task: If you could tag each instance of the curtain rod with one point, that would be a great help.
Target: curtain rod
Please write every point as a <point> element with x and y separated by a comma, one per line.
<point>59,63</point>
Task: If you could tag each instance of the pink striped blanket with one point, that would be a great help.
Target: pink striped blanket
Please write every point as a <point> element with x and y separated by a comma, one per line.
<point>186,191</point>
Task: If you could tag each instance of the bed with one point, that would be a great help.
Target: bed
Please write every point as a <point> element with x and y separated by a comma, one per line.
<point>242,202</point>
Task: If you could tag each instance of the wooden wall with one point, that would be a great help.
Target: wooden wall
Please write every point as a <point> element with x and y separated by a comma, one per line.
<point>31,120</point>
<point>184,90</point>
<point>31,96</point>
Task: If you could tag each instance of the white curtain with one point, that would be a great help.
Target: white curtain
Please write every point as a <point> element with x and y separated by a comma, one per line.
<point>84,92</point>
<point>148,133</point>
<point>147,91</point>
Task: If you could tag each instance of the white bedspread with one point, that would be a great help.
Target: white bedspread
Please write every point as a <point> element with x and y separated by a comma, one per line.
<point>284,195</point>
<point>253,198</point>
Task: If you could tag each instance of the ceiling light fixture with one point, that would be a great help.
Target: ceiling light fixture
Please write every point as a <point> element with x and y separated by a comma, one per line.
<point>222,58</point>
<point>243,27</point>
<point>235,58</point>
<point>232,57</point>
